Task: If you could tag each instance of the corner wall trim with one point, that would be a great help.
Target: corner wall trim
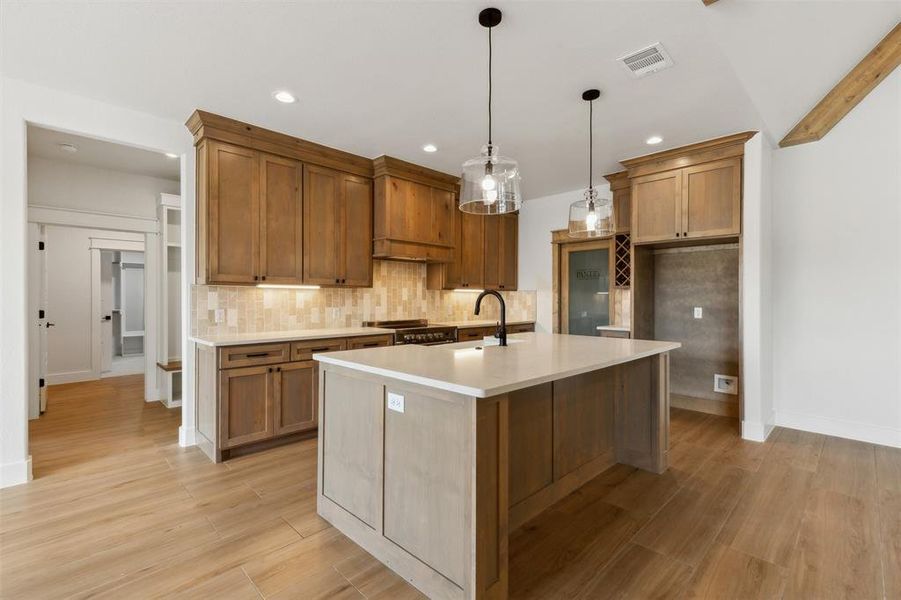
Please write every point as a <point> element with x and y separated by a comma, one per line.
<point>186,437</point>
<point>852,430</point>
<point>15,473</point>
<point>755,431</point>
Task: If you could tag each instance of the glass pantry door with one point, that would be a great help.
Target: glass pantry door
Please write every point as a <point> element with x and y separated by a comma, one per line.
<point>585,301</point>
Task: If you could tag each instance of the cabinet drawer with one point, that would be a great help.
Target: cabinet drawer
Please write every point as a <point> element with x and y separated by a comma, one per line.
<point>257,354</point>
<point>521,328</point>
<point>306,349</point>
<point>370,341</point>
<point>474,333</point>
<point>614,334</point>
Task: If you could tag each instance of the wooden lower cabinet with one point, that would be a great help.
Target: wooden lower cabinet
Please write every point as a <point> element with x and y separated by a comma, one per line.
<point>295,402</point>
<point>253,396</point>
<point>468,334</point>
<point>245,405</point>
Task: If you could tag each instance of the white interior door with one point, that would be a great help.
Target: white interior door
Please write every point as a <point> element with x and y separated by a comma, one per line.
<point>37,335</point>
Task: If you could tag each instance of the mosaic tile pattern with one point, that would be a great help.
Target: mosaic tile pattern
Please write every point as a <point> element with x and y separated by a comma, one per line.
<point>398,292</point>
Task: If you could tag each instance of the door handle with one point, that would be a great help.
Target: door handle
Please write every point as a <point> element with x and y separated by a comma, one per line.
<point>49,324</point>
<point>107,318</point>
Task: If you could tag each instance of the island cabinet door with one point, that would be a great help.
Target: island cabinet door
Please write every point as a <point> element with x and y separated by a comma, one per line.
<point>245,405</point>
<point>295,405</point>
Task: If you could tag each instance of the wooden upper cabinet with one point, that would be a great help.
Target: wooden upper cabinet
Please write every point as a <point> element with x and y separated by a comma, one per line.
<point>472,250</point>
<point>621,189</point>
<point>500,252</point>
<point>356,230</point>
<point>337,228</point>
<point>413,212</point>
<point>657,207</point>
<point>322,225</point>
<point>232,213</point>
<point>281,220</point>
<point>712,199</point>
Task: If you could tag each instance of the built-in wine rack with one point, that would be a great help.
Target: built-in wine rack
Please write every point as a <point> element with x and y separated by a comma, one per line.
<point>622,261</point>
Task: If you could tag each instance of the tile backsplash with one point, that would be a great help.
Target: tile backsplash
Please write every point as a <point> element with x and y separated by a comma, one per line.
<point>398,292</point>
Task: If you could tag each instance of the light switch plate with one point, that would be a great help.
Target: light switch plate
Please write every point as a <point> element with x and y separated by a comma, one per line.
<point>699,312</point>
<point>395,402</point>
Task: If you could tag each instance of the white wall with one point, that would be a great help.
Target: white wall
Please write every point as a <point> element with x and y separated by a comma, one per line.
<point>837,275</point>
<point>63,184</point>
<point>22,103</point>
<point>537,218</point>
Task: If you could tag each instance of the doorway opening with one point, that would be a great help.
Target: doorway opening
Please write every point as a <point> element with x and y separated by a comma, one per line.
<point>122,312</point>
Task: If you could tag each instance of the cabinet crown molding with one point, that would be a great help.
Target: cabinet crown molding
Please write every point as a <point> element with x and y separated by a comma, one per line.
<point>207,125</point>
<point>394,167</point>
<point>618,180</point>
<point>686,156</point>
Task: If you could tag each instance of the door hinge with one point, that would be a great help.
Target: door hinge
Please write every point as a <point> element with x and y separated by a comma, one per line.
<point>41,382</point>
<point>40,245</point>
<point>41,313</point>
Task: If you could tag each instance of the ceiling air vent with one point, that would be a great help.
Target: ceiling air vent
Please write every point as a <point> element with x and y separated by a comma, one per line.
<point>647,60</point>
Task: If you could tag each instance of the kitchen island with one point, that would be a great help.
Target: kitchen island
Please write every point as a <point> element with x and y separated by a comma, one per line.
<point>430,455</point>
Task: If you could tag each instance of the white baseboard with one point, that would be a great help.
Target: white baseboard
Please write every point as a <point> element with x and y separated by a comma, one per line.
<point>186,437</point>
<point>69,377</point>
<point>852,430</point>
<point>755,431</point>
<point>15,473</point>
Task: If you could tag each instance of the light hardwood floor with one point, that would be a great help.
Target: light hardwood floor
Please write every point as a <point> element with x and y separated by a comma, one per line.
<point>118,510</point>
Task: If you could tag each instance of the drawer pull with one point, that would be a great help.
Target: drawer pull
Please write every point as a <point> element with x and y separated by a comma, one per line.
<point>258,354</point>
<point>370,344</point>
<point>320,349</point>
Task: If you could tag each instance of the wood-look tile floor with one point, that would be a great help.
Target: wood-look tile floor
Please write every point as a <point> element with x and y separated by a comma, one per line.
<point>118,510</point>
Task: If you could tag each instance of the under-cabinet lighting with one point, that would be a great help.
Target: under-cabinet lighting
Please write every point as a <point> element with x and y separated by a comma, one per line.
<point>468,290</point>
<point>281,286</point>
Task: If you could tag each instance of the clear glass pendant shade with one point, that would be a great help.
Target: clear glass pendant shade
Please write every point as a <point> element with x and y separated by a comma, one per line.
<point>490,184</point>
<point>591,217</point>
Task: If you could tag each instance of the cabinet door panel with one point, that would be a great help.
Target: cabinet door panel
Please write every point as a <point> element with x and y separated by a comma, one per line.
<point>712,199</point>
<point>321,225</point>
<point>281,220</point>
<point>657,207</point>
<point>492,247</point>
<point>442,226</point>
<point>509,246</point>
<point>471,250</point>
<point>295,406</point>
<point>234,197</point>
<point>245,405</point>
<point>356,246</point>
<point>622,209</point>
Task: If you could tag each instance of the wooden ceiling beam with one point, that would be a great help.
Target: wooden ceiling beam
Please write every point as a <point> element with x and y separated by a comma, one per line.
<point>876,66</point>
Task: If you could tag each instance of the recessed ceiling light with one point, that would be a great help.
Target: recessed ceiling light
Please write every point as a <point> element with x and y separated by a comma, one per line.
<point>284,97</point>
<point>171,155</point>
<point>72,148</point>
<point>654,140</point>
<point>430,148</point>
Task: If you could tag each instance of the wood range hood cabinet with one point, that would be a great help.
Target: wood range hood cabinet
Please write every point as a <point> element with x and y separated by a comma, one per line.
<point>413,212</point>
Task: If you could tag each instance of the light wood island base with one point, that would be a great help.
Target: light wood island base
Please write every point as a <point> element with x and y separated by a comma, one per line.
<point>434,491</point>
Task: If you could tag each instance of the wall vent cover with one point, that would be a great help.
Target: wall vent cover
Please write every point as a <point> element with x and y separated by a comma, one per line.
<point>646,61</point>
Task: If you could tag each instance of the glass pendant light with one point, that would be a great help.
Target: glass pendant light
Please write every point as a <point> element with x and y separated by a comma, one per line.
<point>593,216</point>
<point>490,181</point>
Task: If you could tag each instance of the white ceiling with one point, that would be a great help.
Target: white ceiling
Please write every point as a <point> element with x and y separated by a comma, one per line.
<point>97,153</point>
<point>386,77</point>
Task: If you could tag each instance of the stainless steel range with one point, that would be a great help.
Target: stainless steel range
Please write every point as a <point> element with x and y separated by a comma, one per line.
<point>417,331</point>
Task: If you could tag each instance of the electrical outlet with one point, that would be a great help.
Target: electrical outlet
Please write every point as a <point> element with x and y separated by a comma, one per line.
<point>220,315</point>
<point>395,402</point>
<point>725,384</point>
<point>699,312</point>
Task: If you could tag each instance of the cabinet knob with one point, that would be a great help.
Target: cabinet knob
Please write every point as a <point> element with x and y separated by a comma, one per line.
<point>263,278</point>
<point>255,277</point>
<point>337,281</point>
<point>684,234</point>
<point>677,234</point>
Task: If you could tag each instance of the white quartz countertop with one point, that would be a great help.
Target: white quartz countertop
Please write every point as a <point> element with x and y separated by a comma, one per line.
<point>612,328</point>
<point>475,370</point>
<point>266,337</point>
<point>481,323</point>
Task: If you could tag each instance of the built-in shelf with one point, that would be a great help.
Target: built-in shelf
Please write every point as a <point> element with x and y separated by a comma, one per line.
<point>622,261</point>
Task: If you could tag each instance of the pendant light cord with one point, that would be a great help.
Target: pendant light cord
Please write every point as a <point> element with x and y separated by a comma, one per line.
<point>590,144</point>
<point>489,90</point>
